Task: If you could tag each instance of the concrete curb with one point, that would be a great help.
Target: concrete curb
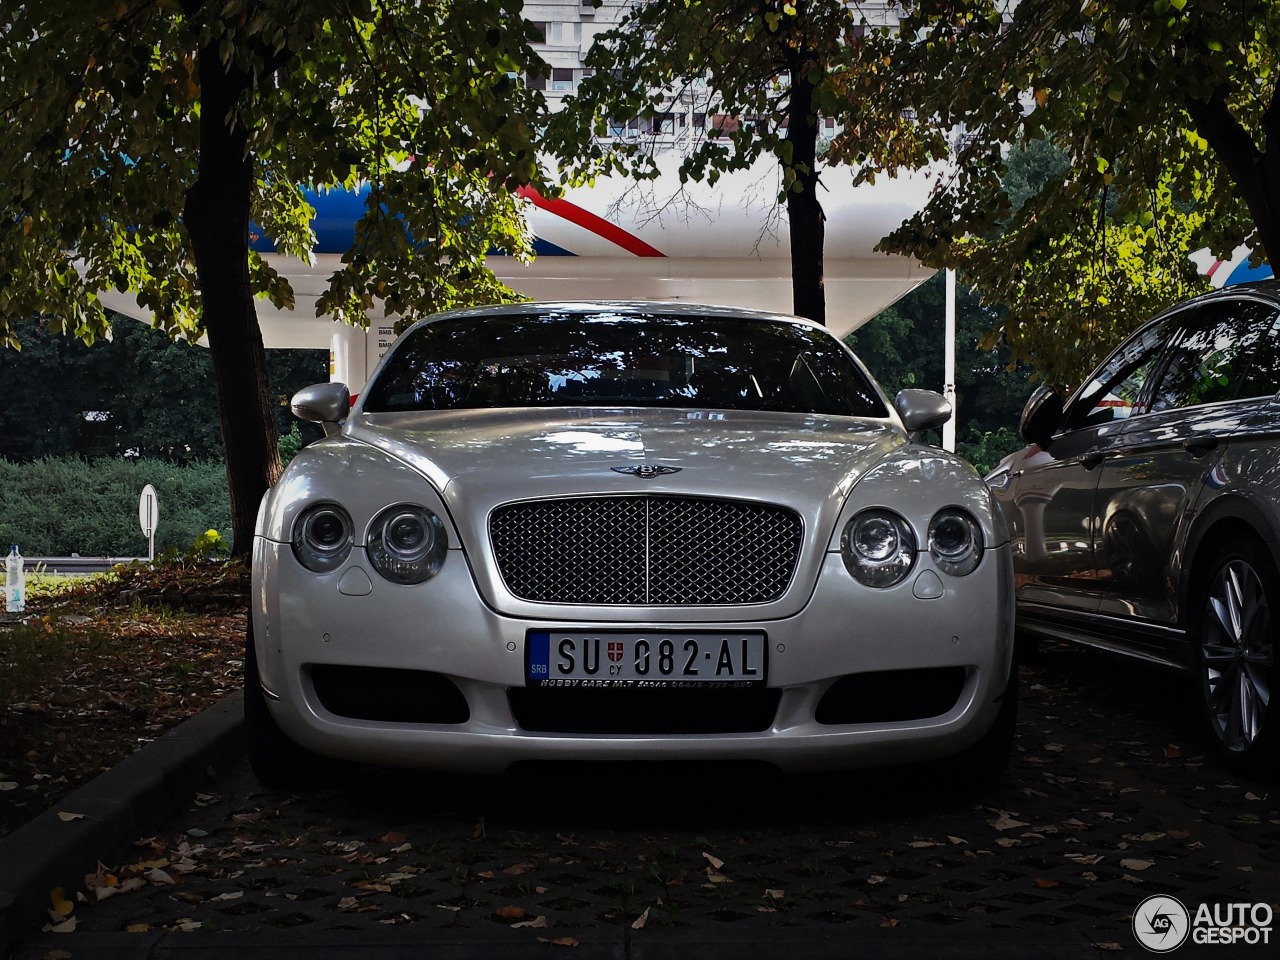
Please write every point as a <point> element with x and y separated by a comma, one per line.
<point>144,789</point>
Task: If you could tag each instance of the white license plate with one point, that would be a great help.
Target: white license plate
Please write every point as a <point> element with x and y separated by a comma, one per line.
<point>661,660</point>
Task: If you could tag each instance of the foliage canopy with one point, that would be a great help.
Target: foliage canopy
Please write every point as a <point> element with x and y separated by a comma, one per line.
<point>146,138</point>
<point>1166,120</point>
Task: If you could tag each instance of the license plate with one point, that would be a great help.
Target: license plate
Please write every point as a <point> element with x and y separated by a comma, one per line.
<point>665,661</point>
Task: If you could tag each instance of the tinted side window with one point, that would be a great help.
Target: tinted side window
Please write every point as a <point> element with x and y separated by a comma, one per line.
<point>1211,356</point>
<point>1115,389</point>
<point>1263,378</point>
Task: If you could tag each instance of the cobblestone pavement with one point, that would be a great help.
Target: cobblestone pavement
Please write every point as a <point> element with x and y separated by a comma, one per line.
<point>1110,799</point>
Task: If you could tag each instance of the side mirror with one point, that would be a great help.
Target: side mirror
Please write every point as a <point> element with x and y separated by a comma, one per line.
<point>921,410</point>
<point>324,403</point>
<point>1041,417</point>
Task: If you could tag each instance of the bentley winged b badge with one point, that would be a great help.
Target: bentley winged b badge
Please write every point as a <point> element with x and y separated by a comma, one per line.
<point>647,471</point>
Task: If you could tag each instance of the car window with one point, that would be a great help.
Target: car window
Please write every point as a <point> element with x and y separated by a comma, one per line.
<point>1211,355</point>
<point>1116,388</point>
<point>609,358</point>
<point>1263,378</point>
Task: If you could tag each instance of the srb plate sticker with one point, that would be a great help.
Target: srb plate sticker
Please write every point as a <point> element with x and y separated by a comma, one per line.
<point>662,661</point>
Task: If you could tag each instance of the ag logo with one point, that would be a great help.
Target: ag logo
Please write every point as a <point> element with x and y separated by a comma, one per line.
<point>1161,924</point>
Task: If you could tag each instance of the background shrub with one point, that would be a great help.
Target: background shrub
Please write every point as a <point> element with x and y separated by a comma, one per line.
<point>57,506</point>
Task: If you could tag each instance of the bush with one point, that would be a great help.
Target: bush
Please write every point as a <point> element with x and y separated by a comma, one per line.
<point>986,451</point>
<point>63,505</point>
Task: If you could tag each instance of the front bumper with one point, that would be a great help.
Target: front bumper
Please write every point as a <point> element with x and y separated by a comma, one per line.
<point>303,619</point>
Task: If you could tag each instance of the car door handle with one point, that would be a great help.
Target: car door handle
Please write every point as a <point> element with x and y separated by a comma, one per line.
<point>1091,460</point>
<point>1199,446</point>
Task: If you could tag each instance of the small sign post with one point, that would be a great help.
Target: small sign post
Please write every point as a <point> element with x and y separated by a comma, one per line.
<point>148,514</point>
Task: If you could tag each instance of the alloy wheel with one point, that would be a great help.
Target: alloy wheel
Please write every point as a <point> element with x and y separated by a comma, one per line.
<point>1236,655</point>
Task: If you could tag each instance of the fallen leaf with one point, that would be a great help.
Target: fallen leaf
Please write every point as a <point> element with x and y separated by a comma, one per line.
<point>511,913</point>
<point>62,907</point>
<point>559,941</point>
<point>1252,796</point>
<point>6,785</point>
<point>66,926</point>
<point>537,923</point>
<point>889,922</point>
<point>639,922</point>
<point>158,876</point>
<point>516,869</point>
<point>1137,864</point>
<point>957,840</point>
<point>1044,883</point>
<point>1172,752</point>
<point>403,848</point>
<point>1006,822</point>
<point>924,844</point>
<point>138,928</point>
<point>68,817</point>
<point>774,894</point>
<point>228,896</point>
<point>875,880</point>
<point>393,838</point>
<point>1086,859</point>
<point>716,863</point>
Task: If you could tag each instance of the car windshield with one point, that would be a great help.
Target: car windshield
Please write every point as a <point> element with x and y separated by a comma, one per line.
<point>609,358</point>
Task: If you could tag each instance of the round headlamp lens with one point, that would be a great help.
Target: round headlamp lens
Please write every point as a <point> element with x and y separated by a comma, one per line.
<point>322,537</point>
<point>878,547</point>
<point>407,544</point>
<point>876,539</point>
<point>955,542</point>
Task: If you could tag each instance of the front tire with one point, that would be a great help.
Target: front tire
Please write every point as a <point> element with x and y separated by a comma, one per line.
<point>1233,652</point>
<point>978,769</point>
<point>276,760</point>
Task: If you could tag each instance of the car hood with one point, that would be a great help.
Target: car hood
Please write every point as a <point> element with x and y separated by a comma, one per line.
<point>481,459</point>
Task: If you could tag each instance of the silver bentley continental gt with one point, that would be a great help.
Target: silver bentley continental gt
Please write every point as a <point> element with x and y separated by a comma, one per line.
<point>627,531</point>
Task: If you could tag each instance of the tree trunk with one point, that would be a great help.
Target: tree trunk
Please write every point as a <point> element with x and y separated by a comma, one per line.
<point>1256,173</point>
<point>216,216</point>
<point>804,211</point>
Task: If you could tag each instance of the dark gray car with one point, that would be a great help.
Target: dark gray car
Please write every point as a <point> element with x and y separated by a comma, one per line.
<point>1145,513</point>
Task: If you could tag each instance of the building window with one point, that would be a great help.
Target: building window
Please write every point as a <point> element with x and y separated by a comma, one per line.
<point>561,78</point>
<point>539,30</point>
<point>535,83</point>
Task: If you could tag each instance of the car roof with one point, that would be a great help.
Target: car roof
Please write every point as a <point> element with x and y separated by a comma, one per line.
<point>678,308</point>
<point>1267,289</point>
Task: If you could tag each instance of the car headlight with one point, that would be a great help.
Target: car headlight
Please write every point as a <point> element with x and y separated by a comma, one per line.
<point>322,537</point>
<point>878,547</point>
<point>955,542</point>
<point>407,544</point>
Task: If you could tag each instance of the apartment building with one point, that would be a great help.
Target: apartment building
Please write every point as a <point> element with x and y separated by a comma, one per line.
<point>568,28</point>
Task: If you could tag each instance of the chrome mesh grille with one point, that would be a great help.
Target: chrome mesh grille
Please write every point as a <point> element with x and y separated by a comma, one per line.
<point>645,551</point>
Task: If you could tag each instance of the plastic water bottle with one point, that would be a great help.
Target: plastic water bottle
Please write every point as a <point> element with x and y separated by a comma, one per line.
<point>15,586</point>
